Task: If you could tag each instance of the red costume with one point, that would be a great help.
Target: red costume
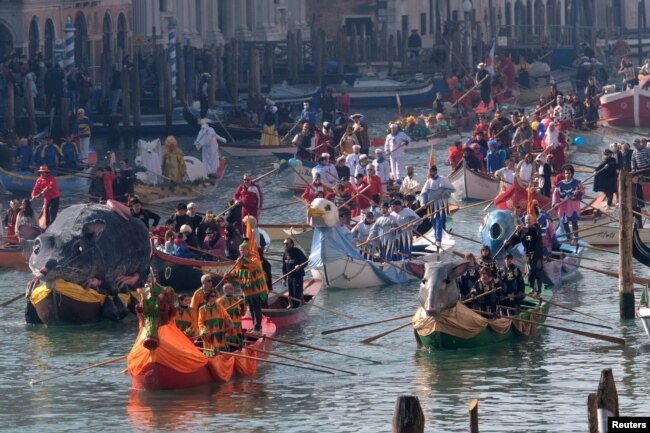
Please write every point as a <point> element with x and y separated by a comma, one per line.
<point>46,185</point>
<point>251,199</point>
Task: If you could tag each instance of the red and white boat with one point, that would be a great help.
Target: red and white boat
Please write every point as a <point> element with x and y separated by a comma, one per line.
<point>629,108</point>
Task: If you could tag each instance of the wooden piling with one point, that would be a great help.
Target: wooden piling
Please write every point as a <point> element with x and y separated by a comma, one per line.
<point>160,66</point>
<point>316,57</point>
<point>473,416</point>
<point>340,49</point>
<point>181,93</point>
<point>383,42</point>
<point>604,404</point>
<point>10,120</point>
<point>592,412</point>
<point>363,53</point>
<point>234,71</point>
<point>29,105</point>
<point>408,416</point>
<point>126,104</point>
<point>391,54</point>
<point>220,53</point>
<point>167,92</point>
<point>254,78</point>
<point>625,281</point>
<point>137,94</point>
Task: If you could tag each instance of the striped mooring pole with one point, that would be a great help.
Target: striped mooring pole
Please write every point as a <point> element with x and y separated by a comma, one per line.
<point>171,48</point>
<point>58,54</point>
<point>69,47</point>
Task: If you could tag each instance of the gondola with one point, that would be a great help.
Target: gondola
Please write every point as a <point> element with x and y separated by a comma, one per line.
<point>278,313</point>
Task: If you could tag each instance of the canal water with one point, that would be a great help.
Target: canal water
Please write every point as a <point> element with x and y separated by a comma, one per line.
<point>538,385</point>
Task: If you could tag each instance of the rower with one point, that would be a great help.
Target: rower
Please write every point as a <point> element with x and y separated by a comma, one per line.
<point>512,281</point>
<point>435,194</point>
<point>486,261</point>
<point>486,284</point>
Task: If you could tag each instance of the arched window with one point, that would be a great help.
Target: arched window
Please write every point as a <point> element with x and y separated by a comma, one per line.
<point>49,39</point>
<point>121,33</point>
<point>6,41</point>
<point>107,33</point>
<point>539,17</point>
<point>81,43</point>
<point>34,36</point>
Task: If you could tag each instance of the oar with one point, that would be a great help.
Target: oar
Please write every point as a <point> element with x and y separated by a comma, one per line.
<point>555,304</point>
<point>361,325</point>
<point>615,340</point>
<point>383,334</point>
<point>12,300</point>
<point>227,273</point>
<point>637,280</point>
<point>329,310</point>
<point>490,201</point>
<point>466,238</point>
<point>289,132</point>
<point>291,358</point>
<point>554,317</point>
<point>73,372</point>
<point>255,358</point>
<point>307,346</point>
<point>482,295</point>
<point>284,204</point>
<point>268,173</point>
<point>470,91</point>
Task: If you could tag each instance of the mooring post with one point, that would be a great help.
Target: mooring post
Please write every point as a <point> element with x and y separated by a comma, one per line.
<point>603,404</point>
<point>137,94</point>
<point>625,280</point>
<point>408,416</point>
<point>473,416</point>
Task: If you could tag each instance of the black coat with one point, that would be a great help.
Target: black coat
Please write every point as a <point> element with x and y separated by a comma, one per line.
<point>605,181</point>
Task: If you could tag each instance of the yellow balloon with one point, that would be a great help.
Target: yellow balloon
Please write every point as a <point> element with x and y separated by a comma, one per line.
<point>534,125</point>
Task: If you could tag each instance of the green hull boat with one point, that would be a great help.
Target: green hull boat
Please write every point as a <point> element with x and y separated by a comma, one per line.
<point>461,327</point>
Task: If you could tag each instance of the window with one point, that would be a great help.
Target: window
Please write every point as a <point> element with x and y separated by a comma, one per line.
<point>423,24</point>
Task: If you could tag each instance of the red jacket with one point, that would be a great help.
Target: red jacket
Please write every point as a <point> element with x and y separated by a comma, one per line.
<point>109,178</point>
<point>46,185</point>
<point>250,196</point>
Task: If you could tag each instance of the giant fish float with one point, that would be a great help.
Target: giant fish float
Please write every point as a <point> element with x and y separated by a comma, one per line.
<point>85,263</point>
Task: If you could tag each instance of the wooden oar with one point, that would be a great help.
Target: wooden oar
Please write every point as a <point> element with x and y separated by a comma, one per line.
<point>490,201</point>
<point>466,238</point>
<point>291,358</point>
<point>555,304</point>
<point>255,358</point>
<point>482,295</point>
<point>361,325</point>
<point>268,173</point>
<point>284,204</point>
<point>615,340</point>
<point>554,317</point>
<point>383,334</point>
<point>78,370</point>
<point>12,300</point>
<point>637,280</point>
<point>470,91</point>
<point>329,310</point>
<point>307,346</point>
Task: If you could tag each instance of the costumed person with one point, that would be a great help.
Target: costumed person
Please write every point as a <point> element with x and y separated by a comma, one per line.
<point>469,159</point>
<point>9,220</point>
<point>293,259</point>
<point>361,232</point>
<point>493,160</point>
<point>342,169</point>
<point>207,141</point>
<point>487,261</point>
<point>234,306</point>
<point>394,146</point>
<point>348,141</point>
<point>382,167</point>
<point>173,161</point>
<point>83,127</point>
<point>314,190</point>
<point>328,174</point>
<point>46,185</point>
<point>184,316</point>
<point>404,216</point>
<point>553,145</point>
<point>563,113</point>
<point>69,154</point>
<point>24,154</point>
<point>308,114</point>
<point>435,195</point>
<point>249,195</point>
<point>531,238</point>
<point>455,154</point>
<point>248,272</point>
<point>525,169</point>
<point>26,217</point>
<point>567,198</point>
<point>383,231</point>
<point>488,286</point>
<point>545,173</point>
<point>512,281</point>
<point>352,160</point>
<point>200,297</point>
<point>143,215</point>
<point>97,187</point>
<point>410,184</point>
<point>506,175</point>
<point>484,81</point>
<point>606,177</point>
<point>467,280</point>
<point>360,128</point>
<point>305,143</point>
<point>414,130</point>
<point>270,121</point>
<point>213,323</point>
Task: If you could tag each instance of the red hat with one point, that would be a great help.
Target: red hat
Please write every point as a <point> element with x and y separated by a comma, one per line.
<point>43,169</point>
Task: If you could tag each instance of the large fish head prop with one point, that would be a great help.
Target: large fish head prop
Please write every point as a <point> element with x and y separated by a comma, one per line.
<point>438,289</point>
<point>497,228</point>
<point>323,213</point>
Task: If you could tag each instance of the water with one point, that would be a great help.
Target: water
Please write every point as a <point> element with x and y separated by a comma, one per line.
<point>539,385</point>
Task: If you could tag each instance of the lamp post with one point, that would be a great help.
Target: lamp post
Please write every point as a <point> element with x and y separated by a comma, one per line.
<point>467,8</point>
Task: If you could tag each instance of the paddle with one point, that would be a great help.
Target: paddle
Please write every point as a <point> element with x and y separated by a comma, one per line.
<point>469,91</point>
<point>637,280</point>
<point>284,204</point>
<point>307,346</point>
<point>482,295</point>
<point>291,358</point>
<point>555,317</point>
<point>12,300</point>
<point>615,340</point>
<point>267,174</point>
<point>255,358</point>
<point>555,304</point>
<point>329,310</point>
<point>383,334</point>
<point>361,325</point>
<point>78,370</point>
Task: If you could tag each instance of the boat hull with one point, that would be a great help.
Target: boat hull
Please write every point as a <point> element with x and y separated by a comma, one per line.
<point>471,185</point>
<point>13,257</point>
<point>630,108</point>
<point>449,339</point>
<point>644,314</point>
<point>281,317</point>
<point>409,94</point>
<point>184,275</point>
<point>24,181</point>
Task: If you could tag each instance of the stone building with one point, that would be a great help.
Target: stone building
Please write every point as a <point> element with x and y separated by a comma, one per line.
<point>206,22</point>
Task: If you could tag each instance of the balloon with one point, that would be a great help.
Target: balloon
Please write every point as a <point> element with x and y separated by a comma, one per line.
<point>276,165</point>
<point>283,161</point>
<point>534,125</point>
<point>570,140</point>
<point>298,163</point>
<point>292,162</point>
<point>579,141</point>
<point>541,129</point>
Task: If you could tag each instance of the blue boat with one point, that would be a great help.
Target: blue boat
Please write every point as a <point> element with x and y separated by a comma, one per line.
<point>383,92</point>
<point>24,181</point>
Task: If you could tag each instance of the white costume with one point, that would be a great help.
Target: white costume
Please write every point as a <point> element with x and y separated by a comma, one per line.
<point>394,147</point>
<point>409,185</point>
<point>382,170</point>
<point>207,141</point>
<point>507,175</point>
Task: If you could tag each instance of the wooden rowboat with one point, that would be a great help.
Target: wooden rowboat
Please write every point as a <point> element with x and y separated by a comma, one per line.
<point>13,256</point>
<point>277,310</point>
<point>595,213</point>
<point>472,185</point>
<point>184,274</point>
<point>24,181</point>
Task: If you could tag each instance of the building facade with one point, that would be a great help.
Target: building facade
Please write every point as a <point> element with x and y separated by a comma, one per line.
<point>202,23</point>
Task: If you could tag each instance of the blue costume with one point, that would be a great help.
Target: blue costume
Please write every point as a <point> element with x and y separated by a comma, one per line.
<point>25,155</point>
<point>70,155</point>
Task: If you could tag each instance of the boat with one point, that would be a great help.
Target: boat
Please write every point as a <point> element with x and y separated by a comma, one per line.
<point>231,131</point>
<point>295,174</point>
<point>282,317</point>
<point>628,108</point>
<point>385,92</point>
<point>499,225</point>
<point>473,185</point>
<point>23,181</point>
<point>184,274</point>
<point>443,322</point>
<point>426,241</point>
<point>517,195</point>
<point>424,143</point>
<point>301,234</point>
<point>338,263</point>
<point>595,214</point>
<point>15,254</point>
<point>175,192</point>
<point>644,310</point>
<point>162,357</point>
<point>284,93</point>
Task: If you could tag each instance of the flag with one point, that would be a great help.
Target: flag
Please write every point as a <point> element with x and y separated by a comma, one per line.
<point>530,208</point>
<point>432,158</point>
<point>489,61</point>
<point>250,235</point>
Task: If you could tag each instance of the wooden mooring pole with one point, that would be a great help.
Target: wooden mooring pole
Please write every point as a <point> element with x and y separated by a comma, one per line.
<point>473,416</point>
<point>625,280</point>
<point>137,93</point>
<point>408,416</point>
<point>603,404</point>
